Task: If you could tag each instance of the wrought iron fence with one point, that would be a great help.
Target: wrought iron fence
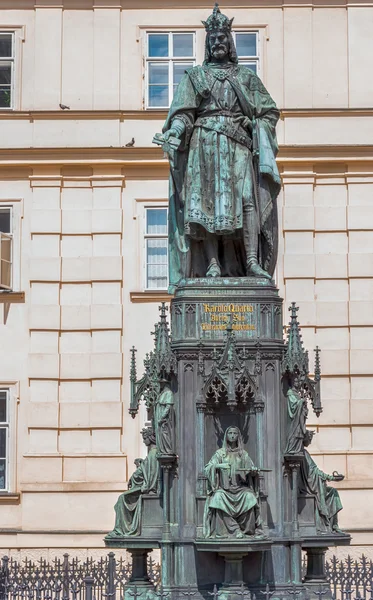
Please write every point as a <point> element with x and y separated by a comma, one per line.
<point>68,578</point>
<point>105,578</point>
<point>351,579</point>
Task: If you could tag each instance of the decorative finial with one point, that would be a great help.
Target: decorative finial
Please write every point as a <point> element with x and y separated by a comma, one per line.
<point>296,362</point>
<point>295,358</point>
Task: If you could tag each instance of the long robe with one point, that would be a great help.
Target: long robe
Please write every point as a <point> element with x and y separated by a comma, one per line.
<point>328,503</point>
<point>164,422</point>
<point>211,178</point>
<point>232,502</point>
<point>297,411</point>
<point>128,508</point>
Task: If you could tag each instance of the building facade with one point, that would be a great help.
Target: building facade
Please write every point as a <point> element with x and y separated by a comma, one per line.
<point>84,85</point>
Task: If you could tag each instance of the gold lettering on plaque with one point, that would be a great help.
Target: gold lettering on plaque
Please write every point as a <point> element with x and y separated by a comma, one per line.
<point>219,316</point>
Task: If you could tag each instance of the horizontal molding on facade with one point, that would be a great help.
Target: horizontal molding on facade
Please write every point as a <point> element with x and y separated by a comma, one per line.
<point>83,487</point>
<point>73,486</point>
<point>158,114</point>
<point>150,296</point>
<point>175,4</point>
<point>152,158</point>
<point>10,531</point>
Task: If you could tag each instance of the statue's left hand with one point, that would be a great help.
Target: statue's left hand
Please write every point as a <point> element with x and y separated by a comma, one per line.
<point>245,122</point>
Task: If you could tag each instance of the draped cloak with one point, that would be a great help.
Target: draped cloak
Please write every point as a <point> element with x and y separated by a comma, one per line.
<point>211,174</point>
<point>232,493</point>
<point>297,411</point>
<point>128,508</point>
<point>164,422</point>
<point>313,481</point>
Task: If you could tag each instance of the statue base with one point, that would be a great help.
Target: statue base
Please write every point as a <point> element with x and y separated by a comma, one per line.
<point>202,309</point>
<point>227,351</point>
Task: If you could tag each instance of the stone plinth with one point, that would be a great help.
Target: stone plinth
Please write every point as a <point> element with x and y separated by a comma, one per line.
<point>202,309</point>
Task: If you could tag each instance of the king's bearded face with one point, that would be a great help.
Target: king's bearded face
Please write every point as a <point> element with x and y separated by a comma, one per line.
<point>219,45</point>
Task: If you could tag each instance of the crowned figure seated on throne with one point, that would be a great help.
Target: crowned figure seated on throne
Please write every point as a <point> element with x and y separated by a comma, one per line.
<point>232,505</point>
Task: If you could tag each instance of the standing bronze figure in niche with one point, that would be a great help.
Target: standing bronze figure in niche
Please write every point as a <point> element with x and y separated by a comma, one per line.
<point>298,413</point>
<point>232,505</point>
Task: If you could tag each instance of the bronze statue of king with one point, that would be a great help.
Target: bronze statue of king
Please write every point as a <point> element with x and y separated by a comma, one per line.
<point>221,141</point>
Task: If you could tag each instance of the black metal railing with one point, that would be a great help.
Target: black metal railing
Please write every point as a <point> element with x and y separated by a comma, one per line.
<point>68,578</point>
<point>105,578</point>
<point>349,578</point>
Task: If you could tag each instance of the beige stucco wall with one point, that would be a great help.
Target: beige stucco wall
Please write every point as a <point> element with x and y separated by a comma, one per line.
<point>79,198</point>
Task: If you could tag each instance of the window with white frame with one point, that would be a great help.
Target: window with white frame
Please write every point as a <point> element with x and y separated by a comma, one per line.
<point>6,69</point>
<point>156,248</point>
<point>247,46</point>
<point>4,439</point>
<point>6,249</point>
<point>168,55</point>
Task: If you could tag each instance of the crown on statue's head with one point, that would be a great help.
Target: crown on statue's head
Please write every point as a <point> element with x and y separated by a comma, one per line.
<point>217,21</point>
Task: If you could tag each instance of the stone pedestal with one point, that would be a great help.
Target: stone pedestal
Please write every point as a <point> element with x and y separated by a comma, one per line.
<point>227,350</point>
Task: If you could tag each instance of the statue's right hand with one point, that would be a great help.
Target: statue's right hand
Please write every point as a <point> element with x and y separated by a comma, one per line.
<point>171,133</point>
<point>223,466</point>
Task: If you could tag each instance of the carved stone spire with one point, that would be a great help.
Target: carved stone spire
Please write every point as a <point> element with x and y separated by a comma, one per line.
<point>165,362</point>
<point>296,357</point>
<point>158,364</point>
<point>295,362</point>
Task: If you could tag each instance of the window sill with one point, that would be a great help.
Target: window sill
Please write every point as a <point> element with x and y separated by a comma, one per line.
<point>151,296</point>
<point>11,297</point>
<point>9,498</point>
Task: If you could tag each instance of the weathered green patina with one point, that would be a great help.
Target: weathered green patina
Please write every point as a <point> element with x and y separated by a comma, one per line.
<point>222,207</point>
<point>297,412</point>
<point>313,481</point>
<point>232,507</point>
<point>164,421</point>
<point>144,480</point>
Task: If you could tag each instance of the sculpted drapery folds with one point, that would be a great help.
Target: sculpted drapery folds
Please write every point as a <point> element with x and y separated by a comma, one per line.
<point>232,504</point>
<point>144,480</point>
<point>313,481</point>
<point>222,210</point>
<point>164,420</point>
<point>298,412</point>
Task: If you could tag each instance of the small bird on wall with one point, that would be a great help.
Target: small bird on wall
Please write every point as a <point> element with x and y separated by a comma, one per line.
<point>64,107</point>
<point>131,143</point>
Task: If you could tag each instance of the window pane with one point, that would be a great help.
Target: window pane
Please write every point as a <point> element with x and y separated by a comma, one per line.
<point>5,74</point>
<point>156,220</point>
<point>158,73</point>
<point>179,70</point>
<point>3,397</point>
<point>5,220</point>
<point>156,252</point>
<point>158,44</point>
<point>183,44</point>
<point>2,474</point>
<point>3,434</point>
<point>251,66</point>
<point>5,97</point>
<point>158,95</point>
<point>6,45</point>
<point>246,44</point>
